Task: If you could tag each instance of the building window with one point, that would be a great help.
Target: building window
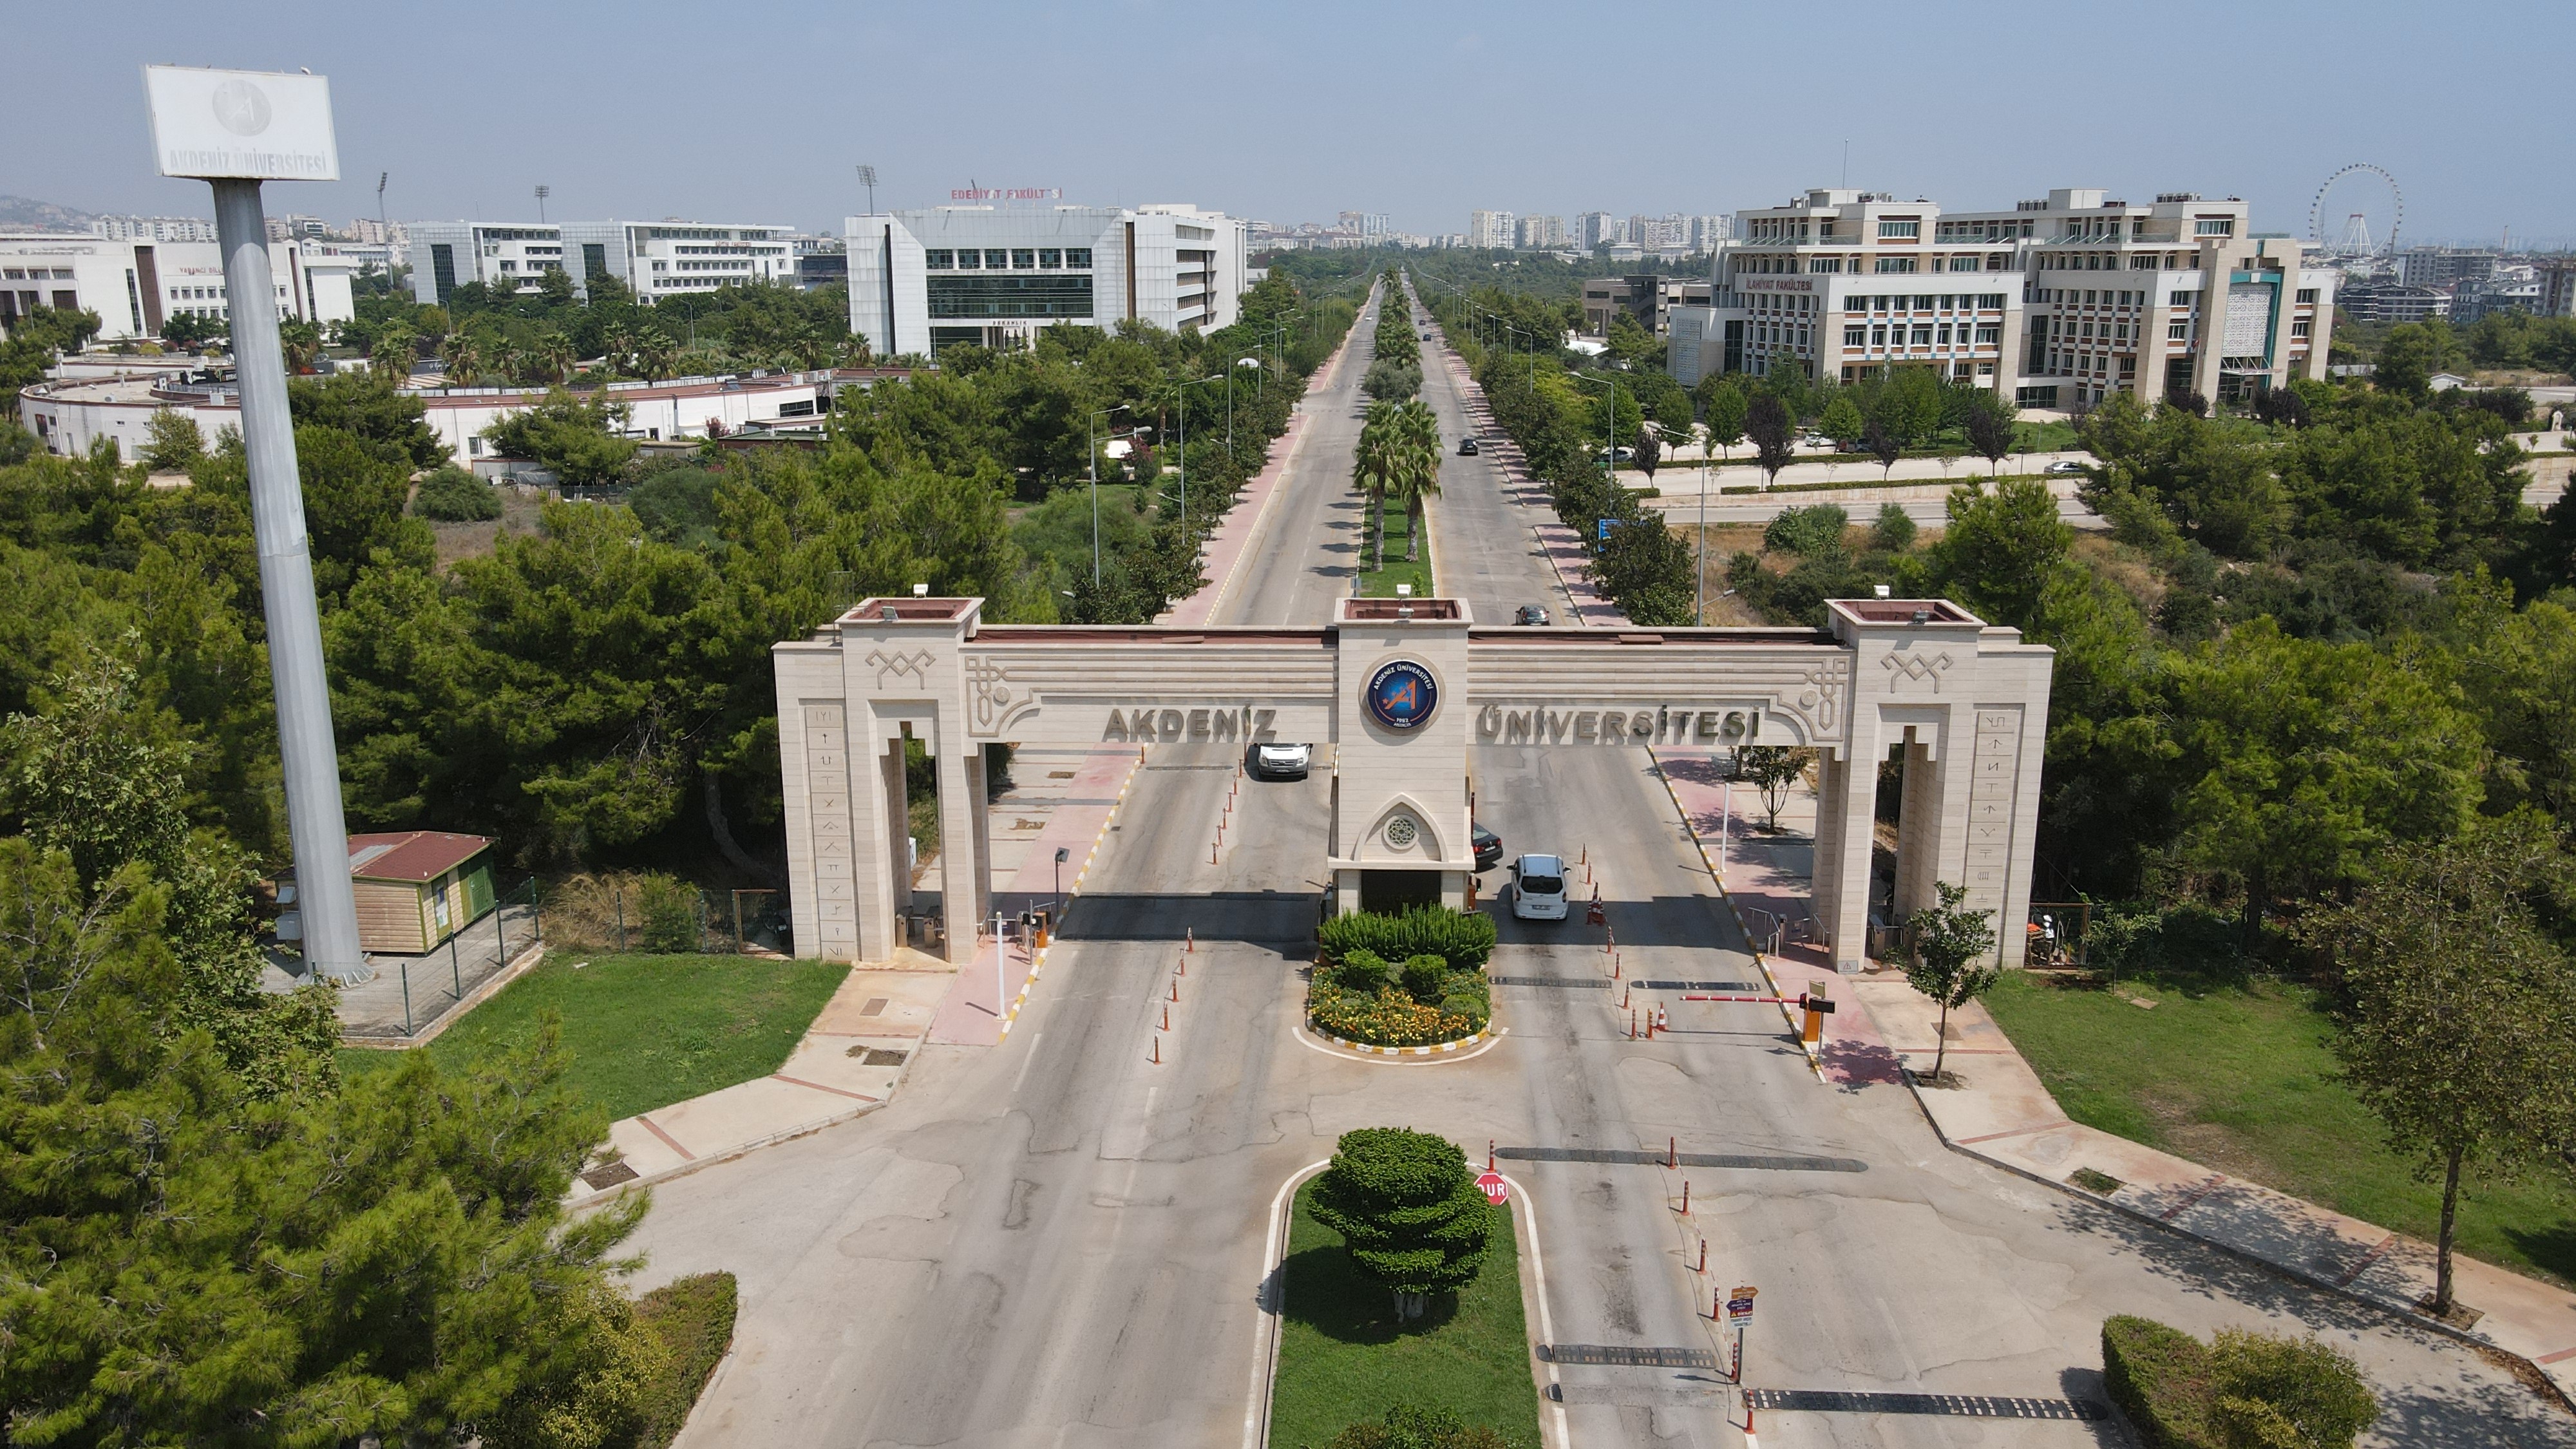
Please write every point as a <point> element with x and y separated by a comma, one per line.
<point>1006,296</point>
<point>2178,330</point>
<point>1963,264</point>
<point>2214,226</point>
<point>996,259</point>
<point>1050,258</point>
<point>938,259</point>
<point>1944,337</point>
<point>969,259</point>
<point>1079,257</point>
<point>1923,336</point>
<point>2298,329</point>
<point>1824,264</point>
<point>1895,264</point>
<point>2308,295</point>
<point>1855,336</point>
<point>1990,336</point>
<point>1899,230</point>
<point>1024,259</point>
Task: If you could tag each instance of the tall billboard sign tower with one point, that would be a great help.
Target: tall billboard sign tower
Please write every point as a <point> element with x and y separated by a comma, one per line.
<point>234,130</point>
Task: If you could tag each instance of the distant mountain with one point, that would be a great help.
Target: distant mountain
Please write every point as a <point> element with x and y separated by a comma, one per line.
<point>20,211</point>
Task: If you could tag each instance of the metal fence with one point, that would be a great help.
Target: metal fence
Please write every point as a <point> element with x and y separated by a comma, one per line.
<point>417,991</point>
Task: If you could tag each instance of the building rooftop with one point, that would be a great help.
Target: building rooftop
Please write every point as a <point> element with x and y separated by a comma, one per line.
<point>412,855</point>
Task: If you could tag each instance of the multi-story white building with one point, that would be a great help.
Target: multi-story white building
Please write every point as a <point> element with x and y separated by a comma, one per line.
<point>1490,229</point>
<point>657,259</point>
<point>135,286</point>
<point>2061,300</point>
<point>923,280</point>
<point>1595,229</point>
<point>1539,233</point>
<point>154,228</point>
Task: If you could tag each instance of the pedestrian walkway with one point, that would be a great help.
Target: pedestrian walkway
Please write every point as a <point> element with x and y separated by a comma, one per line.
<point>2003,1113</point>
<point>849,1063</point>
<point>2000,1111</point>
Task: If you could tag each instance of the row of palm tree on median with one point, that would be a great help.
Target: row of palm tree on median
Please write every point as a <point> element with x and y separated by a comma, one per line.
<point>1398,457</point>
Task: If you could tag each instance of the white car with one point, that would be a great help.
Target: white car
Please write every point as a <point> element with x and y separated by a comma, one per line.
<point>1538,888</point>
<point>2063,467</point>
<point>1282,762</point>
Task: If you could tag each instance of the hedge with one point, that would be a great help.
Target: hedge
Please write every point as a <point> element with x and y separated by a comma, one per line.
<point>1464,939</point>
<point>2160,1378</point>
<point>694,1319</point>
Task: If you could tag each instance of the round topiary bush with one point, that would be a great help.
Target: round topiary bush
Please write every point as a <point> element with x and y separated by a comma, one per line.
<point>452,495</point>
<point>1409,1210</point>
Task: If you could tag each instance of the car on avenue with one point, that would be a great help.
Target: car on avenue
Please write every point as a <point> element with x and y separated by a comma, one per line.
<point>1488,846</point>
<point>1538,888</point>
<point>2064,466</point>
<point>1467,447</point>
<point>1530,614</point>
<point>1624,455</point>
<point>1271,761</point>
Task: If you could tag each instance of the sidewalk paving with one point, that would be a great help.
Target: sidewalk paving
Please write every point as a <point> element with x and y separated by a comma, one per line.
<point>2004,1114</point>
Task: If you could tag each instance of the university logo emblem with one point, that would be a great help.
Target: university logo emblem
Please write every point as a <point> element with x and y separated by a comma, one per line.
<point>1402,694</point>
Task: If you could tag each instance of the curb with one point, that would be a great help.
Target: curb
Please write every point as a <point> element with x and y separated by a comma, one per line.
<point>527,962</point>
<point>2401,1314</point>
<point>1490,1033</point>
<point>1814,1054</point>
<point>741,1149</point>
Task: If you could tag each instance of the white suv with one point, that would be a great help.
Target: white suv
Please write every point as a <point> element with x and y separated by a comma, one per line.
<point>1538,888</point>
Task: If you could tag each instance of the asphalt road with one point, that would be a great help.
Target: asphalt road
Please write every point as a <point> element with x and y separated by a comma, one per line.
<point>1060,1241</point>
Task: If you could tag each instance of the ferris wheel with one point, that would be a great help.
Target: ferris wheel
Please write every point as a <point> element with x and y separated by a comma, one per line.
<point>2350,190</point>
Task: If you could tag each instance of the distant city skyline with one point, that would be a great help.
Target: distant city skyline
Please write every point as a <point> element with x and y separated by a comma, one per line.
<point>767,117</point>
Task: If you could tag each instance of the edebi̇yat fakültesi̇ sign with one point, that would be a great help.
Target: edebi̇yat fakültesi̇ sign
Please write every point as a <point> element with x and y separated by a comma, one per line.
<point>244,124</point>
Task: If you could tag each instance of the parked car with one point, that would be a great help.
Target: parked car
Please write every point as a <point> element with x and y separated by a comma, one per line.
<point>1426,336</point>
<point>1466,447</point>
<point>1538,888</point>
<point>1625,455</point>
<point>2063,467</point>
<point>1281,762</point>
<point>1531,614</point>
<point>1489,846</point>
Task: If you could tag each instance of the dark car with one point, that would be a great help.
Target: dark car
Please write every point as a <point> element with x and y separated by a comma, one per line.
<point>1489,847</point>
<point>1530,614</point>
<point>1467,447</point>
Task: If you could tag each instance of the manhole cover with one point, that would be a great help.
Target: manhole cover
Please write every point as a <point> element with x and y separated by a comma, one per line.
<point>876,1006</point>
<point>609,1174</point>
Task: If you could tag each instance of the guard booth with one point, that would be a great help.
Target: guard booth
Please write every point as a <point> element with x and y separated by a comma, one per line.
<point>1402,689</point>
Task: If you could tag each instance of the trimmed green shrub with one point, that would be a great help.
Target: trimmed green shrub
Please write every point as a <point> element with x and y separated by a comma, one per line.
<point>1409,1210</point>
<point>1363,972</point>
<point>452,495</point>
<point>1426,977</point>
<point>2159,1377</point>
<point>1464,939</point>
<point>2244,1390</point>
<point>670,913</point>
<point>1407,1426</point>
<point>1815,531</point>
<point>693,1317</point>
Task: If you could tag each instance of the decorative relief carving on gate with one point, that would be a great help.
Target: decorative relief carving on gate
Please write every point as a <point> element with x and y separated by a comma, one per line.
<point>1820,702</point>
<point>1903,668</point>
<point>917,664</point>
<point>988,694</point>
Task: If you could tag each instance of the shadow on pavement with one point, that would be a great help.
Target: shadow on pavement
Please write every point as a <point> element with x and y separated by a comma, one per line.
<point>1282,920</point>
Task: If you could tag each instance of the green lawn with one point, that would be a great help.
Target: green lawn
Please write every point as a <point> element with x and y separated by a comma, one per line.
<point>2237,1074</point>
<point>1342,1360</point>
<point>1380,583</point>
<point>2052,437</point>
<point>644,1031</point>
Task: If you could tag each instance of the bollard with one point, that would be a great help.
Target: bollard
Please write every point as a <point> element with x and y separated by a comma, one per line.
<point>1686,1198</point>
<point>1176,991</point>
<point>1189,938</point>
<point>1672,1152</point>
<point>1489,1154</point>
<point>1632,1024</point>
<point>1717,1304</point>
<point>1158,1051</point>
<point>1624,1003</point>
<point>1703,1257</point>
<point>1167,1026</point>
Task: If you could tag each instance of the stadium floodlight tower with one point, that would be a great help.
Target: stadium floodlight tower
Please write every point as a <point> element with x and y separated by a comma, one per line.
<point>233,130</point>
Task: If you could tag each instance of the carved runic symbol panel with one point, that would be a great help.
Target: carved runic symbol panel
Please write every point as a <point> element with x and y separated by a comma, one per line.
<point>1918,668</point>
<point>917,664</point>
<point>987,693</point>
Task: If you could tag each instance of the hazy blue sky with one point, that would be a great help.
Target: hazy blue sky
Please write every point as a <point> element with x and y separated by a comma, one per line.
<point>1292,111</point>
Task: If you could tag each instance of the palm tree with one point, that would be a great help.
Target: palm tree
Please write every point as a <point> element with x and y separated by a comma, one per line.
<point>1417,458</point>
<point>396,346</point>
<point>464,358</point>
<point>1376,468</point>
<point>552,357</point>
<point>301,342</point>
<point>617,347</point>
<point>657,357</point>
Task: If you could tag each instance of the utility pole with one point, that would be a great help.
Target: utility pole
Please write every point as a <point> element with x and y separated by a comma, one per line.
<point>542,193</point>
<point>868,179</point>
<point>200,120</point>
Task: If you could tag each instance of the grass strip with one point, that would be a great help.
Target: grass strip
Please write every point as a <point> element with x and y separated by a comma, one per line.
<point>2238,1074</point>
<point>643,1031</point>
<point>1342,1358</point>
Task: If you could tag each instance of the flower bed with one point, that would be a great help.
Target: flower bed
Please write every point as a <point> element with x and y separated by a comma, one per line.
<point>1366,1000</point>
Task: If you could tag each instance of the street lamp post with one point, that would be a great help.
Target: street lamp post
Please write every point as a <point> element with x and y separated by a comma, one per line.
<point>1699,609</point>
<point>1088,432</point>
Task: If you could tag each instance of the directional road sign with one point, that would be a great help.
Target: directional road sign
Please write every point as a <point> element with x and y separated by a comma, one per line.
<point>1493,1186</point>
<point>1739,1304</point>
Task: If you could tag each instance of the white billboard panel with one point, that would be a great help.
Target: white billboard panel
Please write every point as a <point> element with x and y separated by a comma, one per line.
<point>260,125</point>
